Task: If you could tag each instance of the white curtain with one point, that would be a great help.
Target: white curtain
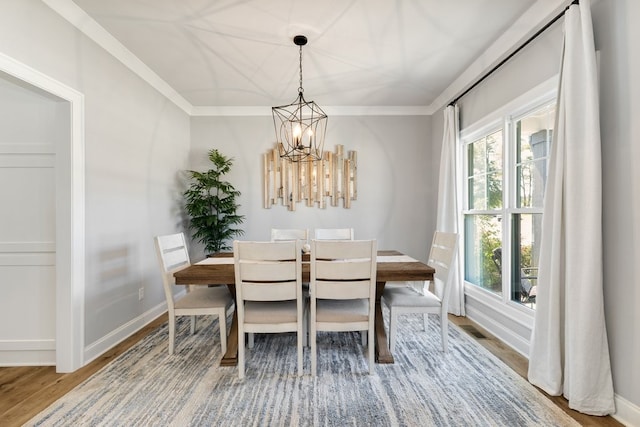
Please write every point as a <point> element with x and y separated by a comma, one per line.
<point>447,216</point>
<point>569,349</point>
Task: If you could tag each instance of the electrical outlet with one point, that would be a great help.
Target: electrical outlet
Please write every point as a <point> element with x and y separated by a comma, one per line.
<point>140,294</point>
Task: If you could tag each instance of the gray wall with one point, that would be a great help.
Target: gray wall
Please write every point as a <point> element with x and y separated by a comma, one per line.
<point>396,192</point>
<point>136,142</point>
<point>616,35</point>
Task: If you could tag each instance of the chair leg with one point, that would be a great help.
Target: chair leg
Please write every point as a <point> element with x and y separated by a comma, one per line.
<point>251,340</point>
<point>193,325</point>
<point>363,337</point>
<point>172,333</point>
<point>300,345</point>
<point>240,351</point>
<point>313,343</point>
<point>393,324</point>
<point>425,320</point>
<point>371,348</point>
<point>305,329</point>
<point>444,324</point>
<point>222,323</point>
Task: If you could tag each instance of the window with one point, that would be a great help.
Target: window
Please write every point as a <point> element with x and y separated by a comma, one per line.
<point>505,174</point>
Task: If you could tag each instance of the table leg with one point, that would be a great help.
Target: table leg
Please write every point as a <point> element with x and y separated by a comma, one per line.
<point>230,358</point>
<point>383,355</point>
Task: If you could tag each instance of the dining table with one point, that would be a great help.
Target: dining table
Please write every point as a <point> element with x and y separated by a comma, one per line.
<point>391,266</point>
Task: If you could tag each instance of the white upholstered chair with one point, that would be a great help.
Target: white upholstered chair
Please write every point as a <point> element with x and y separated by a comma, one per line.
<point>268,292</point>
<point>410,299</point>
<point>199,300</point>
<point>333,234</point>
<point>343,288</point>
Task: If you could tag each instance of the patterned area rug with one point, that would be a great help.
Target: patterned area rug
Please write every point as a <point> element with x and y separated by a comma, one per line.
<point>425,387</point>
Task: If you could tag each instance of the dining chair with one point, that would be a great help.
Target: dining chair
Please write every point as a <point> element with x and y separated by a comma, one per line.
<point>199,300</point>
<point>419,299</point>
<point>283,234</point>
<point>338,234</point>
<point>333,234</point>
<point>268,291</point>
<point>343,289</point>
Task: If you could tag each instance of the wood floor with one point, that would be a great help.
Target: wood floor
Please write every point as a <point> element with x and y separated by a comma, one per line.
<point>25,391</point>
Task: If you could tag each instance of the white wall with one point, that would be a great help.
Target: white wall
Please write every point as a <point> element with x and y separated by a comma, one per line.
<point>136,142</point>
<point>396,193</point>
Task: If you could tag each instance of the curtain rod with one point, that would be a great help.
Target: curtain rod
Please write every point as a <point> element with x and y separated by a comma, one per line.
<point>512,54</point>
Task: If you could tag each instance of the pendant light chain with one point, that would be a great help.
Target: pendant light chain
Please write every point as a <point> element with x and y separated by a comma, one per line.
<point>300,89</point>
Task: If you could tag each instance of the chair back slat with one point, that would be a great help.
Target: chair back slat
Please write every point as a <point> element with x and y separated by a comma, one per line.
<point>267,271</point>
<point>333,234</point>
<point>348,270</point>
<point>282,291</point>
<point>284,234</point>
<point>334,250</point>
<point>342,290</point>
<point>255,251</point>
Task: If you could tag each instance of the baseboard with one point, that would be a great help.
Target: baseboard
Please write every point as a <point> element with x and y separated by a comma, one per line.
<point>97,348</point>
<point>28,352</point>
<point>626,412</point>
<point>495,328</point>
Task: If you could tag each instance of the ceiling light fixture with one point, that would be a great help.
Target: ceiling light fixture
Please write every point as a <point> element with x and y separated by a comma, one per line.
<point>300,126</point>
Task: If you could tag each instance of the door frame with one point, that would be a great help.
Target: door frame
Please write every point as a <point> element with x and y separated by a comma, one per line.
<point>70,218</point>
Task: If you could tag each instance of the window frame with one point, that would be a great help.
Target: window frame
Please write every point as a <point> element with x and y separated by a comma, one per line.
<point>503,119</point>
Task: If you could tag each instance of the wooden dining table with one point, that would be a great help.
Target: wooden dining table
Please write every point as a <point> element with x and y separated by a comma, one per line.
<point>392,266</point>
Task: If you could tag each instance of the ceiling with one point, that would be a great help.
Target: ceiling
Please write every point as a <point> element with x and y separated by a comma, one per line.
<point>360,52</point>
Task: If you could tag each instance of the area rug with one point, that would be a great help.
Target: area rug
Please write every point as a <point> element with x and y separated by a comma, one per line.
<point>425,387</point>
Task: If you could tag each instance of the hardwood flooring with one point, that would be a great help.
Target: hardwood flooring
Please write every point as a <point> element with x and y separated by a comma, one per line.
<point>25,391</point>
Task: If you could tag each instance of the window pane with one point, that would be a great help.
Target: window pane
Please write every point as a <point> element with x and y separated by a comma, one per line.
<point>477,157</point>
<point>494,190</point>
<point>485,172</point>
<point>494,151</point>
<point>527,230</point>
<point>533,140</point>
<point>477,193</point>
<point>531,178</point>
<point>483,257</point>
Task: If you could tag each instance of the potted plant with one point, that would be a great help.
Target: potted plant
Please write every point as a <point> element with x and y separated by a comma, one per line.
<point>211,205</point>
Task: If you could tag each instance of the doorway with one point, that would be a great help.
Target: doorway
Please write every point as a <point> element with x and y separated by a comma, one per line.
<point>42,230</point>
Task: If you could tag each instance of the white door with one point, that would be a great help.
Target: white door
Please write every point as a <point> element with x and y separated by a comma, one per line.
<point>29,130</point>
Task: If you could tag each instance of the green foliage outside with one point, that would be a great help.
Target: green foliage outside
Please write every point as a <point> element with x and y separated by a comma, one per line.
<point>212,206</point>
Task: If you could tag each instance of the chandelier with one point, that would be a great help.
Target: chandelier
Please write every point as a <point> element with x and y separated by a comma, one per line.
<point>300,126</point>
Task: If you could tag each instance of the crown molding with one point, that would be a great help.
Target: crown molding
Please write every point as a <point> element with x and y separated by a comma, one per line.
<point>87,25</point>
